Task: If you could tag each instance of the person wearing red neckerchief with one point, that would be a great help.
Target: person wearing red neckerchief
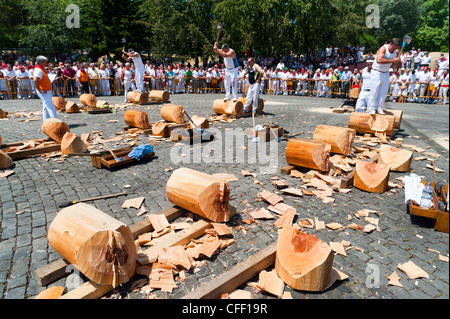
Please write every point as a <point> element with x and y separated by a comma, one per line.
<point>44,88</point>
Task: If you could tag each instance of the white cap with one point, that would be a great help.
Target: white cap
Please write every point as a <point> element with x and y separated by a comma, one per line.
<point>391,70</point>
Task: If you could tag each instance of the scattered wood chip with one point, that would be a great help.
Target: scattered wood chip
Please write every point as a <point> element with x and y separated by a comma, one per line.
<point>334,226</point>
<point>226,177</point>
<point>280,184</point>
<point>394,280</point>
<point>271,283</point>
<point>261,213</point>
<point>293,191</point>
<point>369,228</point>
<point>319,224</point>
<point>338,248</point>
<point>134,202</point>
<point>271,198</point>
<point>412,270</point>
<point>222,229</point>
<point>159,222</point>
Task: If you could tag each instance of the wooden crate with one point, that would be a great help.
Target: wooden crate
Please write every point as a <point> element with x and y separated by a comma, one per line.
<point>108,161</point>
<point>45,146</point>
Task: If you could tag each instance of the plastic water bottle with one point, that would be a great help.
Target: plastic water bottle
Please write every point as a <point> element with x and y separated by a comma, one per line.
<point>427,196</point>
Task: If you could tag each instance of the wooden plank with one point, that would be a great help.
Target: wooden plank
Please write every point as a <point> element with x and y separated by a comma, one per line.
<point>236,276</point>
<point>88,290</point>
<point>21,154</point>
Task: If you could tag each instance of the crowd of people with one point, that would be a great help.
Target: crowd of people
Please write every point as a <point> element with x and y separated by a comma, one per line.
<point>330,72</point>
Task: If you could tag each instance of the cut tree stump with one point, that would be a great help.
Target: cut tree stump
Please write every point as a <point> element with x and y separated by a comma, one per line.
<point>340,138</point>
<point>5,160</point>
<point>135,118</point>
<point>368,123</point>
<point>88,100</point>
<point>200,193</point>
<point>310,154</point>
<point>229,107</point>
<point>72,107</point>
<point>159,96</point>
<point>371,177</point>
<point>72,143</point>
<point>398,160</point>
<point>55,129</point>
<point>303,261</point>
<point>101,247</point>
<point>59,102</point>
<point>173,113</point>
<point>398,115</point>
<point>137,97</point>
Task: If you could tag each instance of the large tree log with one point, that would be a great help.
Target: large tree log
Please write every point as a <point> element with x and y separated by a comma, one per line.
<point>173,113</point>
<point>5,160</point>
<point>229,107</point>
<point>260,107</point>
<point>72,144</point>
<point>398,160</point>
<point>55,129</point>
<point>135,118</point>
<point>200,193</point>
<point>59,103</point>
<point>159,96</point>
<point>371,177</point>
<point>340,138</point>
<point>137,97</point>
<point>88,100</point>
<point>72,107</point>
<point>310,154</point>
<point>368,123</point>
<point>398,115</point>
<point>303,261</point>
<point>101,247</point>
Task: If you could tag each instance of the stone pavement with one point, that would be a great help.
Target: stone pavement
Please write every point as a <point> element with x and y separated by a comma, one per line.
<point>37,186</point>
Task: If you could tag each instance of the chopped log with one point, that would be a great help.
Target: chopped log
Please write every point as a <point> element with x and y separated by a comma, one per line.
<point>88,100</point>
<point>137,97</point>
<point>340,138</point>
<point>398,115</point>
<point>59,102</point>
<point>3,114</point>
<point>259,108</point>
<point>398,160</point>
<point>55,129</point>
<point>199,121</point>
<point>100,246</point>
<point>72,143</point>
<point>310,154</point>
<point>368,123</point>
<point>172,113</point>
<point>371,177</point>
<point>72,107</point>
<point>101,103</point>
<point>303,261</point>
<point>5,160</point>
<point>159,96</point>
<point>160,129</point>
<point>51,293</point>
<point>229,107</point>
<point>135,118</point>
<point>200,193</point>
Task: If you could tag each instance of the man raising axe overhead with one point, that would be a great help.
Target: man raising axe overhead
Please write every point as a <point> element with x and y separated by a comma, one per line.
<point>231,70</point>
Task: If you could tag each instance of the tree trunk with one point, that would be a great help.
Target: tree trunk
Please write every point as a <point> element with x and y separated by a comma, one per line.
<point>310,154</point>
<point>72,144</point>
<point>229,107</point>
<point>303,261</point>
<point>59,103</point>
<point>368,123</point>
<point>172,113</point>
<point>55,129</point>
<point>200,121</point>
<point>5,160</point>
<point>200,193</point>
<point>340,138</point>
<point>260,107</point>
<point>160,129</point>
<point>371,177</point>
<point>159,96</point>
<point>137,97</point>
<point>398,115</point>
<point>100,246</point>
<point>398,160</point>
<point>137,119</point>
<point>72,107</point>
<point>88,100</point>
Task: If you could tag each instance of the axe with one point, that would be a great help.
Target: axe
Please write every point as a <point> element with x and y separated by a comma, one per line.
<point>406,40</point>
<point>219,27</point>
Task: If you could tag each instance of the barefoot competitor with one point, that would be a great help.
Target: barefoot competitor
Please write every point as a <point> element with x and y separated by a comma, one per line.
<point>255,74</point>
<point>139,68</point>
<point>387,55</point>
<point>231,70</point>
<point>44,88</point>
<point>364,88</point>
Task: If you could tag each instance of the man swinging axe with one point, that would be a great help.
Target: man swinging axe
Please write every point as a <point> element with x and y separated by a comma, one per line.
<point>231,70</point>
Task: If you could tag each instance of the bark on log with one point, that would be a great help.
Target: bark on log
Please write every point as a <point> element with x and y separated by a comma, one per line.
<point>59,103</point>
<point>5,160</point>
<point>137,97</point>
<point>310,154</point>
<point>159,96</point>
<point>137,119</point>
<point>72,143</point>
<point>303,261</point>
<point>55,129</point>
<point>229,107</point>
<point>371,177</point>
<point>340,138</point>
<point>88,100</point>
<point>398,115</point>
<point>173,113</point>
<point>200,193</point>
<point>101,247</point>
<point>72,107</point>
<point>368,123</point>
<point>398,160</point>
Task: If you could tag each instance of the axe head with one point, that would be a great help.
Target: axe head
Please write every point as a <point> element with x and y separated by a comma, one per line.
<point>219,26</point>
<point>407,39</point>
<point>124,41</point>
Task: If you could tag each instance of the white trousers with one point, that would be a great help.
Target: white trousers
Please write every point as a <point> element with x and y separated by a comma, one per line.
<point>139,77</point>
<point>252,96</point>
<point>127,87</point>
<point>231,82</point>
<point>378,90</point>
<point>48,108</point>
<point>362,102</point>
<point>443,95</point>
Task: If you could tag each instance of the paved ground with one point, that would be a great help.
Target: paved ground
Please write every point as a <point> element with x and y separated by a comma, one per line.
<point>38,185</point>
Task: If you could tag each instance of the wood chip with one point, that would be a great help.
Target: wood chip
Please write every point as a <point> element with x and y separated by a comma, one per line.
<point>175,255</point>
<point>293,191</point>
<point>369,228</point>
<point>6,173</point>
<point>412,270</point>
<point>161,277</point>
<point>271,198</point>
<point>159,222</point>
<point>261,214</point>
<point>394,280</point>
<point>226,177</point>
<point>334,226</point>
<point>271,283</point>
<point>222,229</point>
<point>338,248</point>
<point>280,184</point>
<point>134,202</point>
<point>286,219</point>
<point>319,224</point>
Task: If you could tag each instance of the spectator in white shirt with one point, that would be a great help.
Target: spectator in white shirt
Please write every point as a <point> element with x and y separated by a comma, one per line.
<point>443,91</point>
<point>426,60</point>
<point>423,78</point>
<point>24,87</point>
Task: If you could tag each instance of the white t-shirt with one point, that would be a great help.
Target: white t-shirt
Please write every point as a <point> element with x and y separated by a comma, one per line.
<point>424,77</point>
<point>426,60</point>
<point>138,62</point>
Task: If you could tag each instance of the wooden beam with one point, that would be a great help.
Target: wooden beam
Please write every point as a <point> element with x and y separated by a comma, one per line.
<point>236,276</point>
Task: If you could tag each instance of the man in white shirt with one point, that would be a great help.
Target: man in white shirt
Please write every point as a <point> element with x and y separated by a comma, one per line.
<point>285,75</point>
<point>11,78</point>
<point>423,79</point>
<point>345,81</point>
<point>139,67</point>
<point>442,64</point>
<point>24,86</point>
<point>44,88</point>
<point>426,60</point>
<point>443,91</point>
<point>301,85</point>
<point>231,70</point>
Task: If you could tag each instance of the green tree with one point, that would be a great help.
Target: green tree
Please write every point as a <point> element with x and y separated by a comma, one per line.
<point>433,30</point>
